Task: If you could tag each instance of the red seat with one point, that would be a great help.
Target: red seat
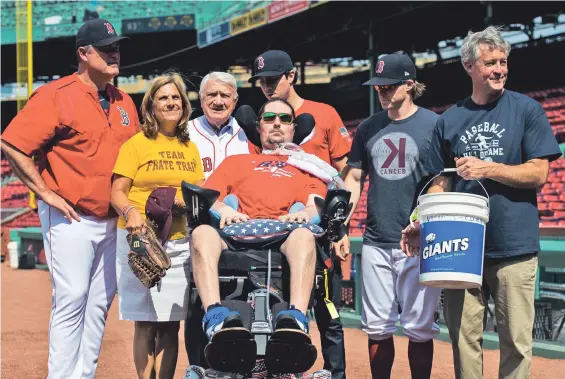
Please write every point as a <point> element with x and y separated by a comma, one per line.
<point>559,214</point>
<point>552,177</point>
<point>548,189</point>
<point>542,206</point>
<point>557,205</point>
<point>356,232</point>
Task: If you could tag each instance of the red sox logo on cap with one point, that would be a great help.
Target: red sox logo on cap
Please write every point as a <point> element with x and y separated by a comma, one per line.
<point>110,28</point>
<point>380,67</point>
<point>260,63</point>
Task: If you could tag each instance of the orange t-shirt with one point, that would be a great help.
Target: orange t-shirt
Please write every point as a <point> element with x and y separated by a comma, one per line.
<point>331,139</point>
<point>265,185</point>
<point>77,143</point>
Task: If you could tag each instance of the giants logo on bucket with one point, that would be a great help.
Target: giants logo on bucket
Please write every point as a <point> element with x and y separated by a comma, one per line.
<point>449,246</point>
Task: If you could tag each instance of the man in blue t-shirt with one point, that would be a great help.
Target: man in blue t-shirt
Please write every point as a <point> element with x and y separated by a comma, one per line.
<point>504,140</point>
<point>391,148</point>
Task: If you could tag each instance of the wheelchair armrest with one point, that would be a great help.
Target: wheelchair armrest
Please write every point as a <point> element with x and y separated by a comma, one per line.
<point>198,202</point>
<point>230,200</point>
<point>333,212</point>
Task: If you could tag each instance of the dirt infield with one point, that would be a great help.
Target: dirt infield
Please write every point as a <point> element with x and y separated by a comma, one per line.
<point>26,302</point>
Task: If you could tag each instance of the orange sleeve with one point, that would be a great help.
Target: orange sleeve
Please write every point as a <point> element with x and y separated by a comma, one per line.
<point>221,179</point>
<point>312,186</point>
<point>35,124</point>
<point>339,140</point>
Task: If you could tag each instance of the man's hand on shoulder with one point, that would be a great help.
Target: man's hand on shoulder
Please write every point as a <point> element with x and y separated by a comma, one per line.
<point>229,216</point>
<point>473,168</point>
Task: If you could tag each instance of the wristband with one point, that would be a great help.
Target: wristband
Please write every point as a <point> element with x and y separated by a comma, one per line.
<point>414,215</point>
<point>124,208</point>
<point>125,213</point>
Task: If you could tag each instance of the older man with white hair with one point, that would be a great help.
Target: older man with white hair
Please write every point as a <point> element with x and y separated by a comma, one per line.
<point>504,140</point>
<point>217,134</point>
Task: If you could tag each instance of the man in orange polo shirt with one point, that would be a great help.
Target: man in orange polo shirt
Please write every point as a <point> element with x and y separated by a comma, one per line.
<point>76,125</point>
<point>331,142</point>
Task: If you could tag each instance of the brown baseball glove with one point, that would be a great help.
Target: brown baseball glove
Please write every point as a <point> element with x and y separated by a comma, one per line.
<point>147,258</point>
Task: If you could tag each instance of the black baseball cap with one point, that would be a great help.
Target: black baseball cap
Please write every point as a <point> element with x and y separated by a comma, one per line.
<point>271,63</point>
<point>98,32</point>
<point>392,69</point>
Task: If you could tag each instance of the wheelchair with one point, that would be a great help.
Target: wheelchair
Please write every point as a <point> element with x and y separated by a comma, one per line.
<point>256,283</point>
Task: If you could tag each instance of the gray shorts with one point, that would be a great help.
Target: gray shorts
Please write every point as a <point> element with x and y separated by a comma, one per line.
<point>389,278</point>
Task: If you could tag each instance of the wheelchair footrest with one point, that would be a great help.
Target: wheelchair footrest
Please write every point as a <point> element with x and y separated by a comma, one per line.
<point>290,351</point>
<point>232,350</point>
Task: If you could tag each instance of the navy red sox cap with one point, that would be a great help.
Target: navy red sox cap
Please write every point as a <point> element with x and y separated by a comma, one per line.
<point>392,69</point>
<point>271,63</point>
<point>98,32</point>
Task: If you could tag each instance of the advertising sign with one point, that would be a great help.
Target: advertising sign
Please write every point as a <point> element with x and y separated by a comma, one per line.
<point>284,8</point>
<point>158,24</point>
<point>248,21</point>
<point>213,34</point>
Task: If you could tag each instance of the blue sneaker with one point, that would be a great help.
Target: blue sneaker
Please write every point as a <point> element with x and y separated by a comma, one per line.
<point>292,318</point>
<point>218,318</point>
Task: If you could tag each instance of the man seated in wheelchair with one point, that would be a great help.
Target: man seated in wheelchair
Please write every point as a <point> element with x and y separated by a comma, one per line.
<point>266,187</point>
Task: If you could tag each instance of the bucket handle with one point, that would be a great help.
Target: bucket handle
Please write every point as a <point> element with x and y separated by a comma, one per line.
<point>453,170</point>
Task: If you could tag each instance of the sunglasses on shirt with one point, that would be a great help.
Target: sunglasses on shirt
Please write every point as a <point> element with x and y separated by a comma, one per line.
<point>386,87</point>
<point>286,118</point>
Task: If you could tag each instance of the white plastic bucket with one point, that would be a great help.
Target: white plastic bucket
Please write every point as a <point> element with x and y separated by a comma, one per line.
<point>452,239</point>
<point>13,254</point>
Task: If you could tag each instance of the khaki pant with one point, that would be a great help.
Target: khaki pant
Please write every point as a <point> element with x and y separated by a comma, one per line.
<point>511,283</point>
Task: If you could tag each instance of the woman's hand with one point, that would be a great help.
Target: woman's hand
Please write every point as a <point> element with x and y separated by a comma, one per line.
<point>229,216</point>
<point>300,216</point>
<point>179,208</point>
<point>134,222</point>
<point>179,203</point>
